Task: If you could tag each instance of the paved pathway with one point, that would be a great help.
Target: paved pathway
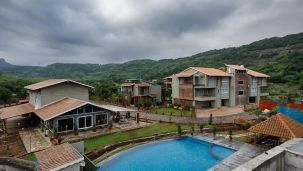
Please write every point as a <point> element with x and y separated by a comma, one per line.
<point>33,140</point>
<point>244,152</point>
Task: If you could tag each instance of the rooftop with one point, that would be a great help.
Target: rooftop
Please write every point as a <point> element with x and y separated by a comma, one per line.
<point>279,125</point>
<point>58,157</point>
<point>211,71</point>
<point>185,74</point>
<point>51,82</point>
<point>13,111</point>
<point>59,107</point>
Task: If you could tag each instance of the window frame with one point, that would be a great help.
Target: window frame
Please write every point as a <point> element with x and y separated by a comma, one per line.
<point>86,127</point>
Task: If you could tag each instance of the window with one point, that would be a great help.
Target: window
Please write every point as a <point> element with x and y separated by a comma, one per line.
<point>65,124</point>
<point>253,90</point>
<point>101,119</point>
<point>240,82</point>
<point>85,122</point>
<point>241,92</point>
<point>224,91</point>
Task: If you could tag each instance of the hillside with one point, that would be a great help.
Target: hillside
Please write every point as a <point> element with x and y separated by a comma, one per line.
<point>281,58</point>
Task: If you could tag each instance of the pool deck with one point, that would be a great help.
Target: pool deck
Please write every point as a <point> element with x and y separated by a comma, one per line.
<point>244,152</point>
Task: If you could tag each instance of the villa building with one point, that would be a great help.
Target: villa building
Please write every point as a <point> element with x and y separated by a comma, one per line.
<point>60,106</point>
<point>214,88</point>
<point>134,92</point>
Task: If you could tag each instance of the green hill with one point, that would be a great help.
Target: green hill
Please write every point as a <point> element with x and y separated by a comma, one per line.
<point>280,57</point>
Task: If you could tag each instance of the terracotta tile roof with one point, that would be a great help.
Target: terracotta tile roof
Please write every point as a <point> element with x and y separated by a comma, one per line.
<point>237,67</point>
<point>168,77</point>
<point>127,84</point>
<point>185,74</point>
<point>59,107</point>
<point>143,84</point>
<point>279,125</point>
<point>249,71</point>
<point>211,71</point>
<point>256,74</point>
<point>17,110</point>
<point>58,157</point>
<point>52,82</point>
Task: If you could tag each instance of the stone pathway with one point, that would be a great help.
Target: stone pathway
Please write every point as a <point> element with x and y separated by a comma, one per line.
<point>244,152</point>
<point>33,140</point>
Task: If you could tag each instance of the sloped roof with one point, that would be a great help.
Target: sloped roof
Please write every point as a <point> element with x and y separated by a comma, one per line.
<point>143,84</point>
<point>211,71</point>
<point>256,74</point>
<point>51,82</point>
<point>185,74</point>
<point>58,157</point>
<point>237,67</point>
<point>13,111</point>
<point>279,125</point>
<point>127,84</point>
<point>59,107</point>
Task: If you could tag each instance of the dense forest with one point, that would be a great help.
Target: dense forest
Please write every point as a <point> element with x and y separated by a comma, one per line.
<point>279,57</point>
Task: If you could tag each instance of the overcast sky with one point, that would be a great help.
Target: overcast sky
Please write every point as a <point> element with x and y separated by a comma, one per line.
<point>40,32</point>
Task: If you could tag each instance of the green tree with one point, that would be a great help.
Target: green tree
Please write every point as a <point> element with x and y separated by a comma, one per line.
<point>5,94</point>
<point>210,119</point>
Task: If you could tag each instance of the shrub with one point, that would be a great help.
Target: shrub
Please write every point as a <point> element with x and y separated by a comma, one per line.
<point>201,126</point>
<point>210,119</point>
<point>230,133</point>
<point>214,130</point>
<point>110,124</point>
<point>179,131</point>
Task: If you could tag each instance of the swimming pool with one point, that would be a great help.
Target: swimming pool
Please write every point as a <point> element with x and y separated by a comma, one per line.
<point>185,153</point>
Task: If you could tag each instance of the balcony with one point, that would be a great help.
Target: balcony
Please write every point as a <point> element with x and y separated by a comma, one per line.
<point>264,91</point>
<point>205,98</point>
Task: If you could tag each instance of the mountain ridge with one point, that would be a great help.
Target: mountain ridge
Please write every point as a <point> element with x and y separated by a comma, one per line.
<point>262,55</point>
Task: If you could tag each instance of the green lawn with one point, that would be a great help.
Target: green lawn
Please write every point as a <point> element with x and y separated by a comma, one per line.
<point>170,111</point>
<point>102,141</point>
<point>30,157</point>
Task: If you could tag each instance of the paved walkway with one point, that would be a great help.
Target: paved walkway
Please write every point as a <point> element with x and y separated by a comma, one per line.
<point>33,140</point>
<point>223,111</point>
<point>178,119</point>
<point>244,152</point>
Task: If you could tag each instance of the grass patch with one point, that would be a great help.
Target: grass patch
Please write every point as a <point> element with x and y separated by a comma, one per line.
<point>102,141</point>
<point>30,157</point>
<point>170,111</point>
<point>245,139</point>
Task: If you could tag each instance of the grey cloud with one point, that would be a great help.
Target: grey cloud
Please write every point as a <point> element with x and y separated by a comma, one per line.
<point>99,31</point>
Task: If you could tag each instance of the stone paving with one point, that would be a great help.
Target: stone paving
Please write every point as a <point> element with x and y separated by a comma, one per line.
<point>33,140</point>
<point>223,111</point>
<point>244,152</point>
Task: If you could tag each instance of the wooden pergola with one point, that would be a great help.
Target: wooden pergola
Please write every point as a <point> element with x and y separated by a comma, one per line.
<point>279,126</point>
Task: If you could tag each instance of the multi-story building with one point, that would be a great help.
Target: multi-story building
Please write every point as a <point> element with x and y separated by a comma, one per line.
<point>134,92</point>
<point>213,88</point>
<point>247,86</point>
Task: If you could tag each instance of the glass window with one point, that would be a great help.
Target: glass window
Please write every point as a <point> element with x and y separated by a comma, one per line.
<point>101,119</point>
<point>81,122</point>
<point>241,92</point>
<point>85,122</point>
<point>240,82</point>
<point>65,124</point>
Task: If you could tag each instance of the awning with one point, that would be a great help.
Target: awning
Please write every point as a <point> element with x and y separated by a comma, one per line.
<point>116,108</point>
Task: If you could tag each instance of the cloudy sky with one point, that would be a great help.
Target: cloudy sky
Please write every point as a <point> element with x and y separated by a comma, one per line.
<point>40,32</point>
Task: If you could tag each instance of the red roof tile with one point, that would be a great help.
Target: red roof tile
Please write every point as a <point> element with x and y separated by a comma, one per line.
<point>211,71</point>
<point>256,74</point>
<point>279,125</point>
<point>58,157</point>
<point>185,74</point>
<point>59,107</point>
<point>17,110</point>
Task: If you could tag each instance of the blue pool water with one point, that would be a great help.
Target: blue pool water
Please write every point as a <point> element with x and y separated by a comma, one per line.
<point>188,154</point>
